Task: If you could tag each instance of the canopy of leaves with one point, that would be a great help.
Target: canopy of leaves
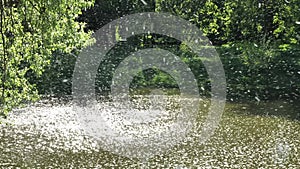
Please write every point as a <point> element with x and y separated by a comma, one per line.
<point>234,20</point>
<point>30,31</point>
<point>255,38</point>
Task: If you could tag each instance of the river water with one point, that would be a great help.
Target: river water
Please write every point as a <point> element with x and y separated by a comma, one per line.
<point>250,135</point>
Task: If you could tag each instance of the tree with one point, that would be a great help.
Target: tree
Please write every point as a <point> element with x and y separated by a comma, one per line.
<point>233,20</point>
<point>105,11</point>
<point>30,32</point>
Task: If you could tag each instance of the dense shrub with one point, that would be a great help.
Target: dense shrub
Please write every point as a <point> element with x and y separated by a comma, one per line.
<point>253,71</point>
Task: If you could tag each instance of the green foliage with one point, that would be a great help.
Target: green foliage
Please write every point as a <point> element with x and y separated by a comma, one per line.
<point>105,11</point>
<point>258,42</point>
<point>57,77</point>
<point>31,31</point>
<point>261,71</point>
<point>232,20</point>
<point>255,38</point>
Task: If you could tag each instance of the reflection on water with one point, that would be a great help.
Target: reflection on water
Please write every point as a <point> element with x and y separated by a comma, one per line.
<point>251,135</point>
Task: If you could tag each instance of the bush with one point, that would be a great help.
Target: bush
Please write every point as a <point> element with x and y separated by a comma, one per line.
<point>253,71</point>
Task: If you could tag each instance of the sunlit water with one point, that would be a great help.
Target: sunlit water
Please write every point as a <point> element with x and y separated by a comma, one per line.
<point>250,135</point>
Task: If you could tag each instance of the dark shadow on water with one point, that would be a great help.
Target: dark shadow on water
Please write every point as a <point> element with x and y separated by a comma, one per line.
<point>289,109</point>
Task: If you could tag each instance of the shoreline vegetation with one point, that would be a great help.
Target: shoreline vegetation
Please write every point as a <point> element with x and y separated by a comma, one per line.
<point>258,43</point>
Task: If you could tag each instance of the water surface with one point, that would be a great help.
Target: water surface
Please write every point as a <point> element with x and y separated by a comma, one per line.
<point>250,135</point>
